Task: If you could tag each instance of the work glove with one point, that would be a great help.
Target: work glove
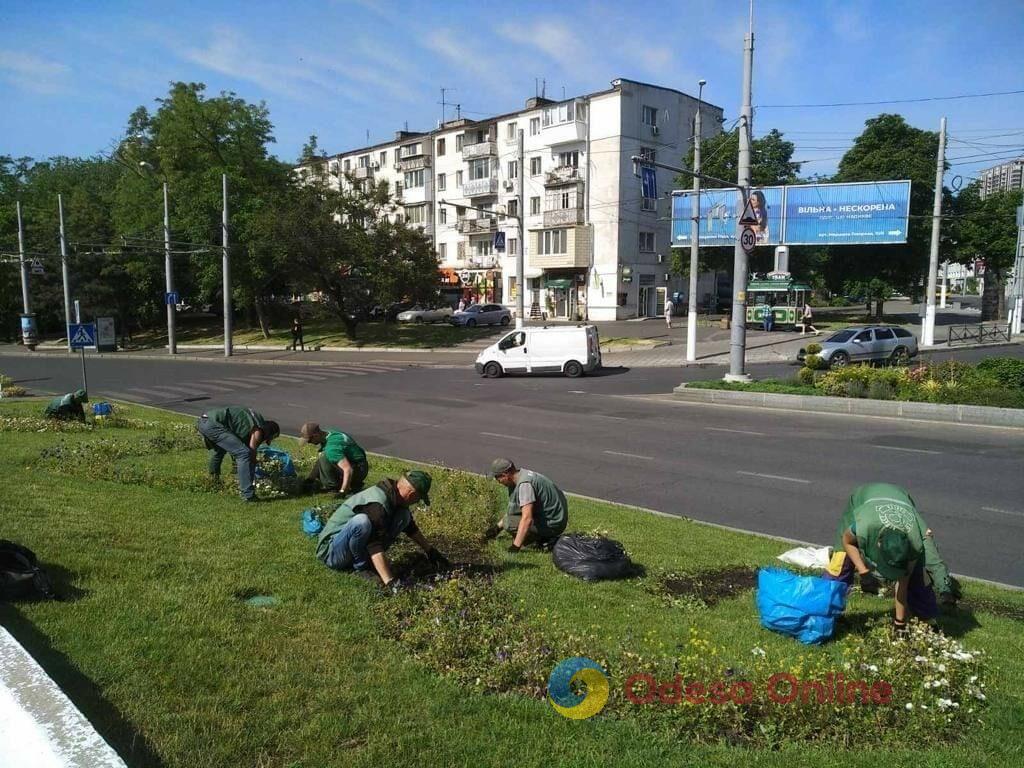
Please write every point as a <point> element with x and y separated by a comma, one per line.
<point>439,561</point>
<point>512,549</point>
<point>869,585</point>
<point>393,587</point>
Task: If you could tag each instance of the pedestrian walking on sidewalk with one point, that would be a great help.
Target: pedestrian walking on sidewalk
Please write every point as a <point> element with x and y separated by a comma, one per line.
<point>806,321</point>
<point>769,318</point>
<point>297,340</point>
<point>668,313</point>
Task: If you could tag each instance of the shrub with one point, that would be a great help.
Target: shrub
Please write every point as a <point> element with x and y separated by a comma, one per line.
<point>815,363</point>
<point>12,390</point>
<point>813,348</point>
<point>881,390</point>
<point>806,376</point>
<point>1008,371</point>
<point>855,389</point>
<point>835,382</point>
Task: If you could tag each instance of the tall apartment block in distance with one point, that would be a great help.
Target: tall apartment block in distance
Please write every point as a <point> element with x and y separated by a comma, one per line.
<point>555,179</point>
<point>1006,177</point>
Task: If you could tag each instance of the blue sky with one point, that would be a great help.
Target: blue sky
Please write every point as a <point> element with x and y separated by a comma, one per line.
<point>71,72</point>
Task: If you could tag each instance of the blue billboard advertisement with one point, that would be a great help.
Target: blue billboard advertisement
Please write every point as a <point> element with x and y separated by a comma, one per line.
<point>718,214</point>
<point>833,214</point>
<point>804,214</point>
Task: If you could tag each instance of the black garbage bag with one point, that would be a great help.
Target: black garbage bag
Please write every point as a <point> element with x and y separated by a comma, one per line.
<point>591,558</point>
<point>21,576</point>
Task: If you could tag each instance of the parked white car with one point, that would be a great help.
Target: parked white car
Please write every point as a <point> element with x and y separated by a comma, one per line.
<point>421,314</point>
<point>571,350</point>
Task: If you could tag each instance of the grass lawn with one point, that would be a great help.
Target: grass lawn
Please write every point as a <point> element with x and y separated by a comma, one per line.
<point>157,646</point>
<point>322,332</point>
<point>767,385</point>
<point>627,341</point>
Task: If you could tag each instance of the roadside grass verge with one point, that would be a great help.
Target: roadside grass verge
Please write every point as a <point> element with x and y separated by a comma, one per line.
<point>774,386</point>
<point>157,645</point>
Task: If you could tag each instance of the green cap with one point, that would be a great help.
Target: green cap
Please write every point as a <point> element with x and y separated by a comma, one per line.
<point>889,533</point>
<point>501,466</point>
<point>421,482</point>
<point>894,553</point>
<point>81,396</point>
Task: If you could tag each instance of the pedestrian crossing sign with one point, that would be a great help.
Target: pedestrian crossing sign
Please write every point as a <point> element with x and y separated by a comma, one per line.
<point>82,335</point>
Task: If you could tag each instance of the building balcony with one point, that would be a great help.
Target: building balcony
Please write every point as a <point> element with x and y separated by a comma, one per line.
<point>563,174</point>
<point>575,256</point>
<point>414,195</point>
<point>477,226</point>
<point>564,133</point>
<point>573,260</point>
<point>480,187</point>
<point>412,163</point>
<point>490,261</point>
<point>362,172</point>
<point>563,216</point>
<point>480,149</point>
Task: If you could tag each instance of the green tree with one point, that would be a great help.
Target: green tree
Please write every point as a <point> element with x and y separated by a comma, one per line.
<point>986,229</point>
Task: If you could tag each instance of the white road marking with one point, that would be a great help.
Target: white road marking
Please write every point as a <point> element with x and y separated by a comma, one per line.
<point>629,455</point>
<point>577,392</point>
<point>512,437</point>
<point>908,450</point>
<point>737,431</point>
<point>1003,511</point>
<point>614,418</point>
<point>214,387</point>
<point>774,477</point>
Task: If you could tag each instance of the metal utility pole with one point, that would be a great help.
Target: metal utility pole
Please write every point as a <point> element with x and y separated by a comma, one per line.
<point>172,342</point>
<point>521,251</point>
<point>27,307</point>
<point>738,338</point>
<point>691,318</point>
<point>227,271</point>
<point>928,331</point>
<point>945,284</point>
<point>64,269</point>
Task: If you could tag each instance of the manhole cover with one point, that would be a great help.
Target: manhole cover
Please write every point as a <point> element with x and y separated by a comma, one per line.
<point>262,601</point>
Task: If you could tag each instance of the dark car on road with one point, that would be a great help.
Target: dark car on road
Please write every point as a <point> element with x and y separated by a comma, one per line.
<point>866,343</point>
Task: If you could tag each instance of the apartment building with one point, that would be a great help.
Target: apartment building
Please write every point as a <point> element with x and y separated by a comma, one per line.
<point>1005,177</point>
<point>555,179</point>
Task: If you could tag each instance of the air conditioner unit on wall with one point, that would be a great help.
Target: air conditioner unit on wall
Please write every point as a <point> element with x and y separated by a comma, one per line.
<point>661,258</point>
<point>654,130</point>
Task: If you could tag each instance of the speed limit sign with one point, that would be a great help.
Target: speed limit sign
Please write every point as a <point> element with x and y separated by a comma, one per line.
<point>748,239</point>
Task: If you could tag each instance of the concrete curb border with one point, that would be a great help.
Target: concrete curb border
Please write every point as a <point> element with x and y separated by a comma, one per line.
<point>980,415</point>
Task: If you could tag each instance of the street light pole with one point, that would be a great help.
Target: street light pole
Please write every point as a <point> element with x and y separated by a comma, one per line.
<point>172,342</point>
<point>691,319</point>
<point>738,337</point>
<point>25,300</point>
<point>64,270</point>
<point>928,331</point>
<point>520,252</point>
<point>227,271</point>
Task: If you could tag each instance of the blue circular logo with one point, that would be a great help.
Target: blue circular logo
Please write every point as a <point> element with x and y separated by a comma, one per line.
<point>575,706</point>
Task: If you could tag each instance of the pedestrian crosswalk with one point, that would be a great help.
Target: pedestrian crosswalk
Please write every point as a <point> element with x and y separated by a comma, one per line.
<point>220,389</point>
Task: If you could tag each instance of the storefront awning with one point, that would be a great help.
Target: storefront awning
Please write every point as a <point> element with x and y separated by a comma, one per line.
<point>558,282</point>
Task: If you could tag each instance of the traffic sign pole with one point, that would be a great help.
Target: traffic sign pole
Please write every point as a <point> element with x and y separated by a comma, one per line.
<point>64,267</point>
<point>172,342</point>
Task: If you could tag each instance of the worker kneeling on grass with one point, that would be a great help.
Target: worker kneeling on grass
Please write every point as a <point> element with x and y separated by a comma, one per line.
<point>537,509</point>
<point>68,407</point>
<point>882,531</point>
<point>358,534</point>
<point>341,464</point>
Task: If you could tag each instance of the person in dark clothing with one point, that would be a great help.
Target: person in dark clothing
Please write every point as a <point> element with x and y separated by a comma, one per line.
<point>68,407</point>
<point>297,340</point>
<point>358,534</point>
<point>238,431</point>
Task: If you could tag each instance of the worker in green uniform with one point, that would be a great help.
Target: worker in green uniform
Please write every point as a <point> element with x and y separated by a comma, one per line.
<point>881,530</point>
<point>238,431</point>
<point>341,465</point>
<point>358,534</point>
<point>537,509</point>
<point>68,407</point>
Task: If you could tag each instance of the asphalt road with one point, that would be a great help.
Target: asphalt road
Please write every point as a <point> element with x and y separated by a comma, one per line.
<point>611,436</point>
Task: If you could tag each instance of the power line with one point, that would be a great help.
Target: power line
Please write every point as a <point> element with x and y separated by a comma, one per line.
<point>891,101</point>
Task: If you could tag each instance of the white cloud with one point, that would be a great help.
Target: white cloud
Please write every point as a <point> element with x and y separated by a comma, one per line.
<point>33,73</point>
<point>553,38</point>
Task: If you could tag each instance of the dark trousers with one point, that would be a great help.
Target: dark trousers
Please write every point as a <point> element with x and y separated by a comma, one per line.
<point>328,474</point>
<point>920,595</point>
<point>220,441</point>
<point>297,340</point>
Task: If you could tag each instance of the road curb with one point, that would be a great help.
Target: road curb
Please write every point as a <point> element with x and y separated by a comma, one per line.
<point>979,415</point>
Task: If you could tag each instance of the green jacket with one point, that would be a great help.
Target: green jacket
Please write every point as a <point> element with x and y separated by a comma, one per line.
<point>381,504</point>
<point>237,420</point>
<point>550,510</point>
<point>66,407</point>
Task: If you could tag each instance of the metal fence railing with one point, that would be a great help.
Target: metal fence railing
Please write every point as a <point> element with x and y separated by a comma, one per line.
<point>978,334</point>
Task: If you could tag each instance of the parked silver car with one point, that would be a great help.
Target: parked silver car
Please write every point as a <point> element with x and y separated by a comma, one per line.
<point>482,314</point>
<point>421,314</point>
<point>866,343</point>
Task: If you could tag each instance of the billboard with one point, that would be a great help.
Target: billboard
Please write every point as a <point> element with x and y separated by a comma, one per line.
<point>719,209</point>
<point>804,214</point>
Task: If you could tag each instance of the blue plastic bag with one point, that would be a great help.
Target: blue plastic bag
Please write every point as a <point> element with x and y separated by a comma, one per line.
<point>287,467</point>
<point>804,607</point>
<point>311,524</point>
<point>102,409</point>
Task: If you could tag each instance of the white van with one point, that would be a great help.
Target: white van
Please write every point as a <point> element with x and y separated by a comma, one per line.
<point>572,350</point>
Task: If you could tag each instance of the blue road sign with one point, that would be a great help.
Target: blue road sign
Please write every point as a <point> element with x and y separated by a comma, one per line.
<point>648,181</point>
<point>82,335</point>
<point>172,297</point>
<point>499,241</point>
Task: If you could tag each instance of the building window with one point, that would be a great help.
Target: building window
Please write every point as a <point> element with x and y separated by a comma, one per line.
<point>513,247</point>
<point>364,161</point>
<point>648,155</point>
<point>398,189</point>
<point>552,241</point>
<point>483,247</point>
<point>535,206</point>
<point>649,204</point>
<point>348,165</point>
<point>511,130</point>
<point>458,178</point>
<point>534,126</point>
<point>513,169</point>
<point>460,212</point>
<point>411,150</point>
<point>513,207</point>
<point>569,159</point>
<point>442,181</point>
<point>480,168</point>
<point>458,143</point>
<point>414,179</point>
<point>442,214</point>
<point>416,214</point>
<point>442,251</point>
<point>440,147</point>
<point>647,242</point>
<point>383,159</point>
<point>398,156</point>
<point>565,200</point>
<point>650,116</point>
<point>535,166</point>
